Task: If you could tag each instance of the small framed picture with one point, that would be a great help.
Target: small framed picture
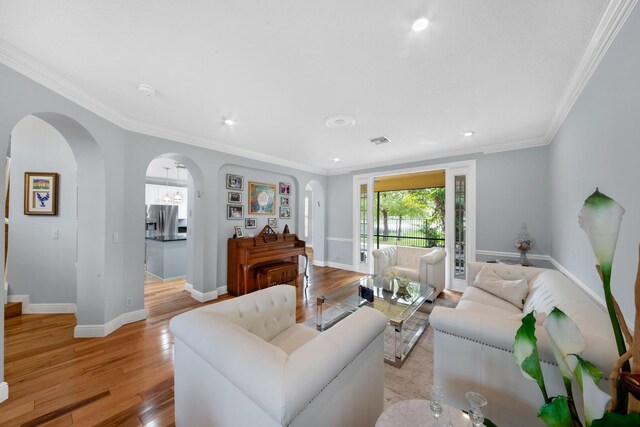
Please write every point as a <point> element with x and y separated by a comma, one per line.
<point>235,197</point>
<point>40,193</point>
<point>285,212</point>
<point>235,212</point>
<point>273,222</point>
<point>250,223</point>
<point>235,182</point>
<point>285,188</point>
<point>238,231</point>
<point>284,201</point>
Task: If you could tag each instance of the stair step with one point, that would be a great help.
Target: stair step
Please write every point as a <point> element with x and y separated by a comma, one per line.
<point>12,309</point>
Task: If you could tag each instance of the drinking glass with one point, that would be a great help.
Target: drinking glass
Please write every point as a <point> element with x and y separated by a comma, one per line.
<point>477,402</point>
<point>435,405</point>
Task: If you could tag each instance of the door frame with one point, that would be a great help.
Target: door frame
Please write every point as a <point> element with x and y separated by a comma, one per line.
<point>467,168</point>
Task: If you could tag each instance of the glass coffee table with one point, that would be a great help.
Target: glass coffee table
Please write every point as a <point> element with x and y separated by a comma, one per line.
<point>397,299</point>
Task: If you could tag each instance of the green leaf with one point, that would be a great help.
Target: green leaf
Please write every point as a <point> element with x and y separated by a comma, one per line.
<point>556,413</point>
<point>525,352</point>
<point>489,423</point>
<point>611,419</point>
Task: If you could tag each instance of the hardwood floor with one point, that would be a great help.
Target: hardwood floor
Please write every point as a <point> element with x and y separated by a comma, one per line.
<point>124,379</point>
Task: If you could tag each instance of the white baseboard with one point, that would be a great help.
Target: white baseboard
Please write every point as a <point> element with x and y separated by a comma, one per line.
<point>340,266</point>
<point>53,308</point>
<point>188,287</point>
<point>167,279</point>
<point>222,290</point>
<point>4,391</point>
<point>50,308</point>
<point>203,297</point>
<point>93,331</point>
<point>319,263</point>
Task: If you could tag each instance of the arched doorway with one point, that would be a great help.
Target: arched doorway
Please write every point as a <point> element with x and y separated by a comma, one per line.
<point>89,216</point>
<point>168,176</point>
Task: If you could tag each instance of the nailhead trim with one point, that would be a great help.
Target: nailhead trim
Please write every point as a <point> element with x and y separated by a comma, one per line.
<point>332,379</point>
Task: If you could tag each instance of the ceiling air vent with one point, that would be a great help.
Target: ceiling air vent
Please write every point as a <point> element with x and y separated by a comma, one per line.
<point>379,140</point>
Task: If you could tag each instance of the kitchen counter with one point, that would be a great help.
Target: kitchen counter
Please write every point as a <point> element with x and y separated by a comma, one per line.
<point>167,256</point>
<point>173,238</point>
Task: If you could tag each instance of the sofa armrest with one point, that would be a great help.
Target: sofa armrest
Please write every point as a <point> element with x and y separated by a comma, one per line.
<point>383,259</point>
<point>311,367</point>
<point>434,256</point>
<point>432,270</point>
<point>247,361</point>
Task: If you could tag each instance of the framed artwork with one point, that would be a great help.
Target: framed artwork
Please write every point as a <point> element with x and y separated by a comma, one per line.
<point>284,201</point>
<point>262,198</point>
<point>285,188</point>
<point>40,193</point>
<point>235,212</point>
<point>273,222</point>
<point>235,182</point>
<point>235,197</point>
<point>285,212</point>
<point>238,231</point>
<point>250,223</point>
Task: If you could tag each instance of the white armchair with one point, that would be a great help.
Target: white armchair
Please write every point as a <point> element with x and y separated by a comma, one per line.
<point>245,362</point>
<point>424,265</point>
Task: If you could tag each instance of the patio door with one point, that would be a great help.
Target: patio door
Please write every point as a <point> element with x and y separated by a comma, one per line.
<point>363,225</point>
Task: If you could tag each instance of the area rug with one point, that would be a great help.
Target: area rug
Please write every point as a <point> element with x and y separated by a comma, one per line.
<point>410,381</point>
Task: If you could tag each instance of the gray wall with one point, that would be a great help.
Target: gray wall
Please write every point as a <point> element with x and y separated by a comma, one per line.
<point>39,265</point>
<point>511,188</point>
<point>112,162</point>
<point>598,146</point>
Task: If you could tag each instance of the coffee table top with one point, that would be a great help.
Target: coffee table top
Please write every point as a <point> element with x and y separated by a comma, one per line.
<point>390,296</point>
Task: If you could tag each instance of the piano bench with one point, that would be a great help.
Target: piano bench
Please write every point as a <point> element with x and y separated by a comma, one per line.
<point>276,273</point>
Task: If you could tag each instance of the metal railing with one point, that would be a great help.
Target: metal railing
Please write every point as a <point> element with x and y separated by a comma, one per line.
<point>406,232</point>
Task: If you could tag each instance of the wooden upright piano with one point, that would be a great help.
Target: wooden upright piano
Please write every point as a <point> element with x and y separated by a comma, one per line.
<point>246,255</point>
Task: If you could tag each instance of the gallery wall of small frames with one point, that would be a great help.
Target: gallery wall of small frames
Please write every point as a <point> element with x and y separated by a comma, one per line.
<point>262,199</point>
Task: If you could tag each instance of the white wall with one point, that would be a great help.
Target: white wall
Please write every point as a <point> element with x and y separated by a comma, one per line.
<point>39,265</point>
<point>598,146</point>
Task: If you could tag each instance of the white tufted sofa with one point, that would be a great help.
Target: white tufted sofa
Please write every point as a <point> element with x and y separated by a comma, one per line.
<point>473,343</point>
<point>245,362</point>
<point>424,265</point>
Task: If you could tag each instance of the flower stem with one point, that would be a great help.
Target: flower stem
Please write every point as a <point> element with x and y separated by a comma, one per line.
<point>605,274</point>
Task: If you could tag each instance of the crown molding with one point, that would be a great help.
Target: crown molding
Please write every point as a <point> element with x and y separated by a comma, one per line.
<point>26,65</point>
<point>484,149</point>
<point>608,28</point>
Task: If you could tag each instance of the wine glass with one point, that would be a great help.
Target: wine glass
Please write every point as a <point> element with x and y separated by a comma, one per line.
<point>435,405</point>
<point>477,402</point>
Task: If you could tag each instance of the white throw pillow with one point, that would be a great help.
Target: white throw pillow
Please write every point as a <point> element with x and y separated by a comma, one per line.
<point>513,291</point>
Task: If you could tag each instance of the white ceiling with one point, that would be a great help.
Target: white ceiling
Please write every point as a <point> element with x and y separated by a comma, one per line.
<point>506,69</point>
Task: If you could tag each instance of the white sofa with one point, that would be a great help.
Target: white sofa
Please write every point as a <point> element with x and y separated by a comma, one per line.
<point>424,265</point>
<point>473,343</point>
<point>245,362</point>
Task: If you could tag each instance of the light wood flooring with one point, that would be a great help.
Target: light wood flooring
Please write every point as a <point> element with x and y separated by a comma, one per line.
<point>124,379</point>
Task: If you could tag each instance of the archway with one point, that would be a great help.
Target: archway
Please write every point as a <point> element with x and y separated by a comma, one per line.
<point>90,294</point>
<point>316,212</point>
<point>193,218</point>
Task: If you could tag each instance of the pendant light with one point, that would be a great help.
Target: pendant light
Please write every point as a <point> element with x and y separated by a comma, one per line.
<point>167,197</point>
<point>178,197</point>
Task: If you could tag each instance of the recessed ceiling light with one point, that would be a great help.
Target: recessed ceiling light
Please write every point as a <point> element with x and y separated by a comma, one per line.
<point>468,133</point>
<point>146,89</point>
<point>420,24</point>
<point>229,122</point>
<point>336,159</point>
<point>339,121</point>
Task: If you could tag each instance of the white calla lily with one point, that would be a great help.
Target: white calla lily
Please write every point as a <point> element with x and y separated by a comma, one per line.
<point>595,400</point>
<point>566,341</point>
<point>600,218</point>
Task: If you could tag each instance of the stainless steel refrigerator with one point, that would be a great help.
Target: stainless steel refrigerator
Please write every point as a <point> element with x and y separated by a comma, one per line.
<point>162,220</point>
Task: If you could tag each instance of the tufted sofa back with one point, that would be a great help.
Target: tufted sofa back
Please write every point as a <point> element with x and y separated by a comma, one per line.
<point>265,314</point>
<point>410,257</point>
